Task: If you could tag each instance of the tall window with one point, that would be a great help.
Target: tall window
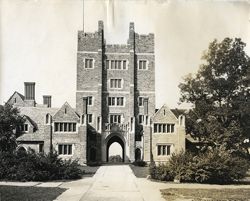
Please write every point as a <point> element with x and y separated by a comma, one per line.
<point>115,83</point>
<point>163,128</point>
<point>65,127</point>
<point>141,119</point>
<point>115,118</point>
<point>115,101</point>
<point>90,118</point>
<point>65,149</point>
<point>140,101</point>
<point>116,64</point>
<point>89,63</point>
<point>142,65</point>
<point>163,150</point>
<point>89,100</point>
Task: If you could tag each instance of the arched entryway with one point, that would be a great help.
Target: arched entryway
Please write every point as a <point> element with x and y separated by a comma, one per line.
<point>110,141</point>
<point>92,154</point>
<point>138,154</point>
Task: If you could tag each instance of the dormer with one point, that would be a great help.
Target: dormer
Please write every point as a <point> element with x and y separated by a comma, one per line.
<point>16,99</point>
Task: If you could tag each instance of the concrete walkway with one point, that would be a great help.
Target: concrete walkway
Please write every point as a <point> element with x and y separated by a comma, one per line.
<point>111,183</point>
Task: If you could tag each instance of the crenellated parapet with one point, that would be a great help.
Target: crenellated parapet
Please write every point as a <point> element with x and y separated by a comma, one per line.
<point>144,43</point>
<point>116,48</point>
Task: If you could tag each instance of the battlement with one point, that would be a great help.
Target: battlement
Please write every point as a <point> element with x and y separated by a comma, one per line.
<point>120,48</point>
<point>144,43</point>
<point>145,36</point>
<point>85,35</point>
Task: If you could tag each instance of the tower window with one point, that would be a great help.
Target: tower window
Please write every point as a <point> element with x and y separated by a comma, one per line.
<point>115,101</point>
<point>115,83</point>
<point>142,65</point>
<point>115,118</point>
<point>90,100</point>
<point>116,64</point>
<point>89,63</point>
<point>90,118</point>
<point>141,119</point>
<point>140,101</point>
<point>119,101</point>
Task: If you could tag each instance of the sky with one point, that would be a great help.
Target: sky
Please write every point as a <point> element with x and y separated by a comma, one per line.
<point>38,39</point>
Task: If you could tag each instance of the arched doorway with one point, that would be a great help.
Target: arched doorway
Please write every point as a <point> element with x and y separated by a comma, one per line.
<point>119,141</point>
<point>92,155</point>
<point>138,154</point>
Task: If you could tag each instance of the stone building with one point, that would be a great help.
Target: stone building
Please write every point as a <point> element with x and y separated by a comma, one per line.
<point>115,102</point>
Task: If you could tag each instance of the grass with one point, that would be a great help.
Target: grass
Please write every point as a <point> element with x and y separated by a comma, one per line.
<point>206,194</point>
<point>89,170</point>
<point>21,193</point>
<point>140,172</point>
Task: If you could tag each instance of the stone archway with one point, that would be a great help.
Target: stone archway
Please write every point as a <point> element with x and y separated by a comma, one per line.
<point>110,141</point>
<point>138,154</point>
<point>92,154</point>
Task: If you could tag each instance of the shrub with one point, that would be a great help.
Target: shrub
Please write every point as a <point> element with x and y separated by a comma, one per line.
<point>219,166</point>
<point>214,166</point>
<point>31,166</point>
<point>180,166</point>
<point>161,172</point>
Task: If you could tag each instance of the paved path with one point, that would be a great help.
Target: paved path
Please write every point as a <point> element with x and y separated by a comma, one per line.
<point>113,183</point>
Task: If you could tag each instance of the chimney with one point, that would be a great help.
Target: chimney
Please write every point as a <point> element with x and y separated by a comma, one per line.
<point>131,40</point>
<point>29,90</point>
<point>47,101</point>
<point>100,26</point>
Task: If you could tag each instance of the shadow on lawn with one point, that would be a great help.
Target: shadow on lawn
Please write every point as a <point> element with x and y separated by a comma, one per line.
<point>23,193</point>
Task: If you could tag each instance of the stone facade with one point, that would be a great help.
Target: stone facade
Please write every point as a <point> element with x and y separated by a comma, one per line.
<point>115,102</point>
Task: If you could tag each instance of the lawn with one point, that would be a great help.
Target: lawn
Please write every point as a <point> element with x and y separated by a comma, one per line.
<point>21,193</point>
<point>206,194</point>
<point>89,170</point>
<point>140,172</point>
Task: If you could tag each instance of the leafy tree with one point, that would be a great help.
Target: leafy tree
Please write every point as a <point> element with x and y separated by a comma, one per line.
<point>219,93</point>
<point>9,120</point>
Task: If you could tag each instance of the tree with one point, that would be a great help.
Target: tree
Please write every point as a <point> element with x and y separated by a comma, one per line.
<point>10,119</point>
<point>219,93</point>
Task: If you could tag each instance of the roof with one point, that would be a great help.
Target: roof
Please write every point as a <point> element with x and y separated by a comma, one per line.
<point>178,112</point>
<point>164,114</point>
<point>37,114</point>
<point>21,96</point>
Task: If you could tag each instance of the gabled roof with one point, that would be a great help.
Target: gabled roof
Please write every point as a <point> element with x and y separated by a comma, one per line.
<point>66,113</point>
<point>178,112</point>
<point>30,120</point>
<point>164,114</point>
<point>20,95</point>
